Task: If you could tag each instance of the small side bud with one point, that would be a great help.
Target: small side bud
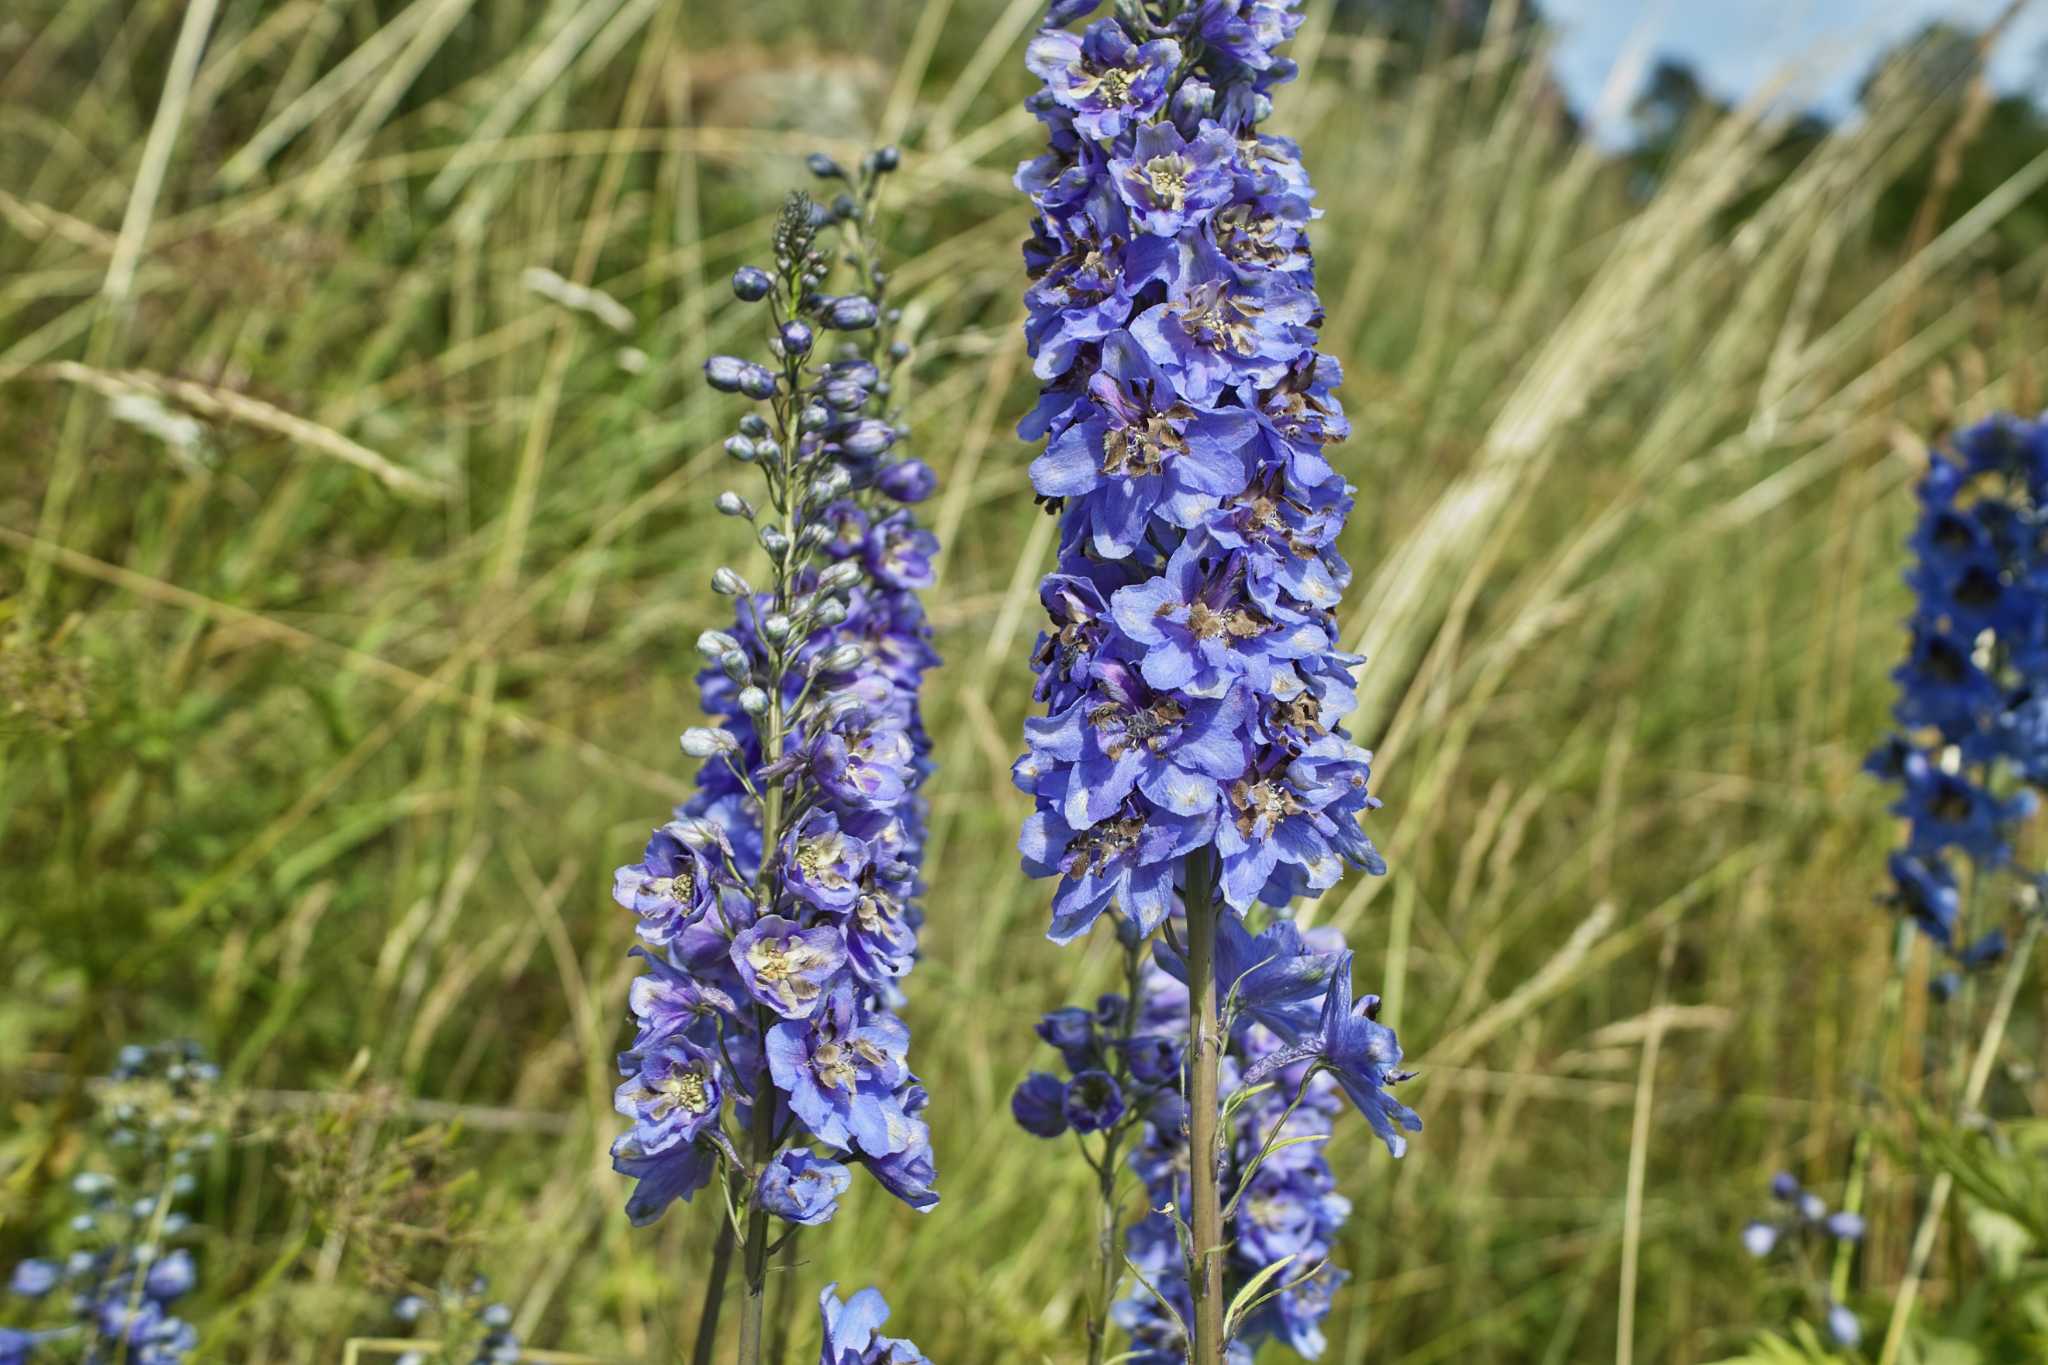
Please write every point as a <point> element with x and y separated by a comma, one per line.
<point>708,742</point>
<point>731,504</point>
<point>753,701</point>
<point>908,481</point>
<point>730,584</point>
<point>839,577</point>
<point>868,439</point>
<point>848,313</point>
<point>726,373</point>
<point>735,666</point>
<point>824,167</point>
<point>714,645</point>
<point>741,449</point>
<point>776,627</point>
<point>839,659</point>
<point>750,284</point>
<point>796,337</point>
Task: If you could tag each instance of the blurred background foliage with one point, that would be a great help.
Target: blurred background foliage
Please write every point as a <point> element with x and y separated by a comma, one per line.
<point>347,587</point>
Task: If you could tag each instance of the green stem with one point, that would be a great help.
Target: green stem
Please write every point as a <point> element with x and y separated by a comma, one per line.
<point>1205,1274</point>
<point>757,1227</point>
<point>1973,1091</point>
<point>1859,1159</point>
<point>714,1297</point>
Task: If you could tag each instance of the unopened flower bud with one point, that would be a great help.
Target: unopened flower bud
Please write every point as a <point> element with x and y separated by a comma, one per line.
<point>843,395</point>
<point>732,504</point>
<point>773,540</point>
<point>754,425</point>
<point>726,373</point>
<point>815,417</point>
<point>908,481</point>
<point>741,449</point>
<point>753,701</point>
<point>839,577</point>
<point>730,584</point>
<point>707,742</point>
<point>839,659</point>
<point>796,337</point>
<point>735,666</point>
<point>868,439</point>
<point>830,612</point>
<point>758,382</point>
<point>848,313</point>
<point>776,627</point>
<point>714,645</point>
<point>751,284</point>
<point>886,159</point>
<point>824,167</point>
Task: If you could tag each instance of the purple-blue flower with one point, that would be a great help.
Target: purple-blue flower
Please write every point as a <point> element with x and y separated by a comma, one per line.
<point>1104,81</point>
<point>800,1187</point>
<point>1170,183</point>
<point>853,1331</point>
<point>1360,1052</point>
<point>672,1094</point>
<point>1039,1105</point>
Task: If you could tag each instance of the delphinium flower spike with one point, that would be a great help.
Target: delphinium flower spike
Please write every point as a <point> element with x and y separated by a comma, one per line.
<point>112,1285</point>
<point>1190,771</point>
<point>1972,751</point>
<point>1805,1220</point>
<point>779,908</point>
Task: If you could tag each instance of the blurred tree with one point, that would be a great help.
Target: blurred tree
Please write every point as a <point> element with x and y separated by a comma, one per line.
<point>1938,63</point>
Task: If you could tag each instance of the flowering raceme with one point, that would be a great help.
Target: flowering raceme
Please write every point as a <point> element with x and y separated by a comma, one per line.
<point>1191,772</point>
<point>779,908</point>
<point>1973,691</point>
<point>1193,682</point>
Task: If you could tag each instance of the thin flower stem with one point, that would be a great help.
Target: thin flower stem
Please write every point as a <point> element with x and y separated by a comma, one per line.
<point>1205,1275</point>
<point>1859,1160</point>
<point>714,1297</point>
<point>757,1228</point>
<point>1973,1091</point>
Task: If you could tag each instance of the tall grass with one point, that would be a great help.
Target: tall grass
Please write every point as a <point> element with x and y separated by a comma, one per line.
<point>324,730</point>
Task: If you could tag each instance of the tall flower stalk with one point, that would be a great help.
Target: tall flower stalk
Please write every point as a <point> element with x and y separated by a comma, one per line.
<point>778,909</point>
<point>1971,754</point>
<point>1191,771</point>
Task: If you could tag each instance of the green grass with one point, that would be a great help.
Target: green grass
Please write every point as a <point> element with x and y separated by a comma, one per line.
<point>323,736</point>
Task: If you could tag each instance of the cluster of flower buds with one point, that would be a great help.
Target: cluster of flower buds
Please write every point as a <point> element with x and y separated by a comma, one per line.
<point>1973,692</point>
<point>1806,1217</point>
<point>778,909</point>
<point>112,1282</point>
<point>469,1324</point>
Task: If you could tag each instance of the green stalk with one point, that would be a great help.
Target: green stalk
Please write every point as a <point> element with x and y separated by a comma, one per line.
<point>1205,1273</point>
<point>714,1297</point>
<point>1973,1091</point>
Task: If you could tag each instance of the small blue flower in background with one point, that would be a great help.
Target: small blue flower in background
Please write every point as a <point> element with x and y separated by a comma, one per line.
<point>117,1283</point>
<point>853,1331</point>
<point>1974,728</point>
<point>465,1319</point>
<point>1807,1220</point>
